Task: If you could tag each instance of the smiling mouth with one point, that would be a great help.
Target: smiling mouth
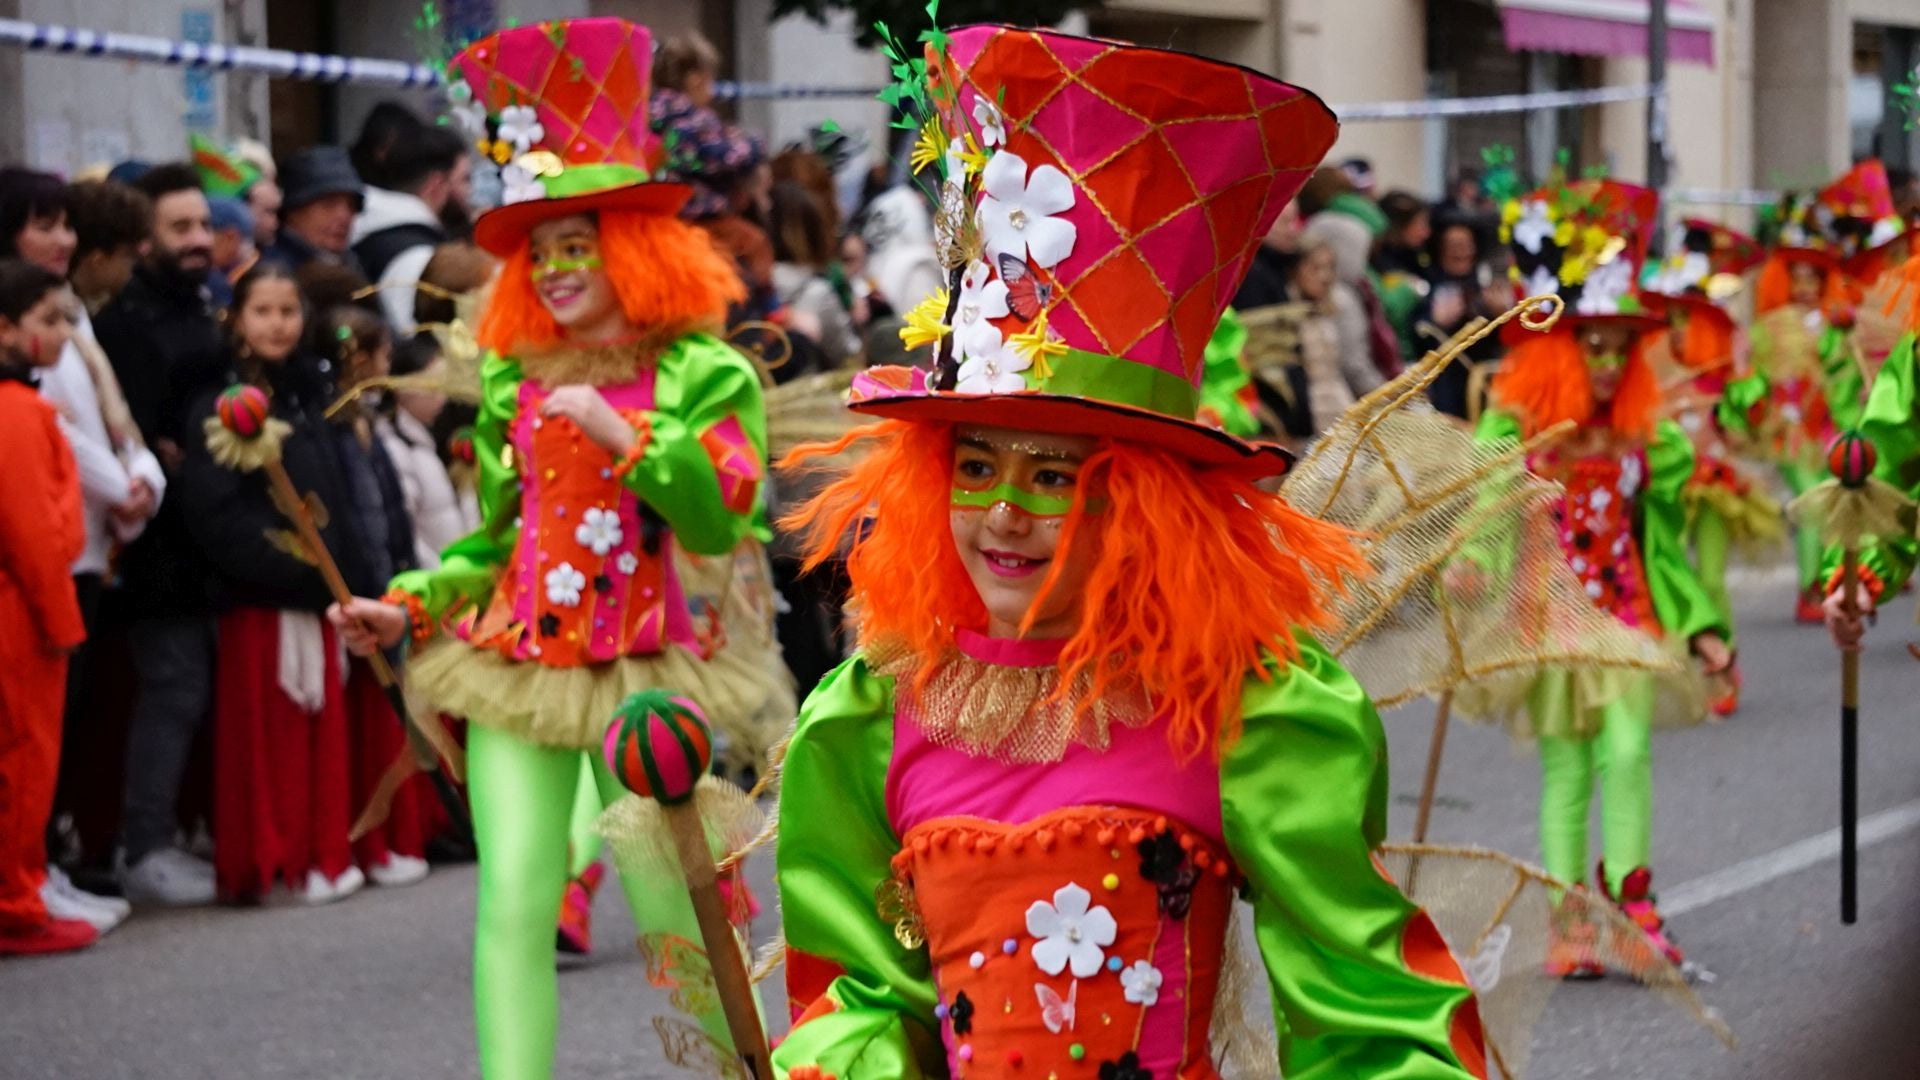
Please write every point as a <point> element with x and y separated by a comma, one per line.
<point>1008,565</point>
<point>561,293</point>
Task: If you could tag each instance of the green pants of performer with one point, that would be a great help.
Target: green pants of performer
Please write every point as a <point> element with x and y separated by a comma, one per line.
<point>1807,547</point>
<point>1622,754</point>
<point>583,840</point>
<point>1711,539</point>
<point>523,801</point>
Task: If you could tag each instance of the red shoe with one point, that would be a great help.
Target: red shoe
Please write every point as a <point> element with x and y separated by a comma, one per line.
<point>1636,901</point>
<point>1573,942</point>
<point>1729,703</point>
<point>1808,608</point>
<point>576,912</point>
<point>52,936</point>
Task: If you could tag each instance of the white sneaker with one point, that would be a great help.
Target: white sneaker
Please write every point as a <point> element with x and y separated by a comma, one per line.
<point>64,901</point>
<point>322,891</point>
<point>399,870</point>
<point>169,876</point>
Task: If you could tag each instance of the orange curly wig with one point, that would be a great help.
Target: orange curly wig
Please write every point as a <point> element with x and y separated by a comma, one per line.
<point>669,276</point>
<point>1774,289</point>
<point>1543,381</point>
<point>1187,630</point>
<point>1706,341</point>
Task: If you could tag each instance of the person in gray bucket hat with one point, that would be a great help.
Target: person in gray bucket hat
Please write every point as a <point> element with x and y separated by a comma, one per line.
<point>322,194</point>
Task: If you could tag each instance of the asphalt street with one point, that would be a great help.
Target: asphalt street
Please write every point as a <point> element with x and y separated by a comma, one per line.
<point>377,986</point>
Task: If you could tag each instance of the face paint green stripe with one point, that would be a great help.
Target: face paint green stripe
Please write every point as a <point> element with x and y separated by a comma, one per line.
<point>1037,505</point>
<point>566,266</point>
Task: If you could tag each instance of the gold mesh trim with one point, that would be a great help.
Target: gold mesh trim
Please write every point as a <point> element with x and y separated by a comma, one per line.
<point>1015,715</point>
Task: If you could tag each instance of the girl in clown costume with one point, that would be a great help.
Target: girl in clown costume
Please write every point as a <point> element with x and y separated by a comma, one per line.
<point>1086,711</point>
<point>1622,531</point>
<point>613,426</point>
<point>1725,508</point>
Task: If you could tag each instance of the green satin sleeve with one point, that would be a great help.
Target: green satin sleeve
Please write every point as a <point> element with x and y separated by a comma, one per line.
<point>1891,421</point>
<point>701,384</point>
<point>1225,378</point>
<point>1304,804</point>
<point>470,565</point>
<point>1679,600</point>
<point>1735,410</point>
<point>1494,550</point>
<point>1842,379</point>
<point>874,1020</point>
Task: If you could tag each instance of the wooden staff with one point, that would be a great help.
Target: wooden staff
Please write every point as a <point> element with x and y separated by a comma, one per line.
<point>659,748</point>
<point>1849,746</point>
<point>252,442</point>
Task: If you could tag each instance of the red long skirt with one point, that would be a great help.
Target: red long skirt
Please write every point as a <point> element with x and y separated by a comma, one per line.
<point>282,790</point>
<point>377,740</point>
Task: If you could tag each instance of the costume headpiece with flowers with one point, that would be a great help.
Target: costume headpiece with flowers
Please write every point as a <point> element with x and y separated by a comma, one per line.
<point>1706,269</point>
<point>1584,241</point>
<point>562,108</point>
<point>1865,221</point>
<point>1100,203</point>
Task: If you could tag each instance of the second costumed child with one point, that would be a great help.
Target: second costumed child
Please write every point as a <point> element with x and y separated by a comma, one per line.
<point>613,426</point>
<point>1622,530</point>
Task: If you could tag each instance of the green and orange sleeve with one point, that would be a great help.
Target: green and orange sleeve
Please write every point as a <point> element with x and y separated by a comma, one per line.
<point>470,565</point>
<point>1891,421</point>
<point>1681,603</point>
<point>702,465</point>
<point>862,1002</point>
<point>1363,985</point>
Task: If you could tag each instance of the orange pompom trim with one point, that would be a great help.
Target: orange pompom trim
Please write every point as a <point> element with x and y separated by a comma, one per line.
<point>419,622</point>
<point>1876,588</point>
<point>642,436</point>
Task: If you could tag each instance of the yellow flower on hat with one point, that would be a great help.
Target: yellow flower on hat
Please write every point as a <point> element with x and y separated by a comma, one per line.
<point>930,146</point>
<point>1039,346</point>
<point>925,323</point>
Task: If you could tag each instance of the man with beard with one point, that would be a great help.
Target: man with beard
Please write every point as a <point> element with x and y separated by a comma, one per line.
<point>166,347</point>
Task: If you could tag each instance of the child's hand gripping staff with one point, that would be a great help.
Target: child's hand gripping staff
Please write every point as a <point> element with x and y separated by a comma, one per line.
<point>659,747</point>
<point>1852,507</point>
<point>242,435</point>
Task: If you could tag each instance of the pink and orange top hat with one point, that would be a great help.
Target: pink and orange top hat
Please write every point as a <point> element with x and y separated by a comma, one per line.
<point>1101,204</point>
<point>1586,242</point>
<point>1866,222</point>
<point>562,107</point>
<point>1706,270</point>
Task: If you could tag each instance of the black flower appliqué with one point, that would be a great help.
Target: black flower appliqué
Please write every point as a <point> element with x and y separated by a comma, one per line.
<point>549,625</point>
<point>961,1013</point>
<point>1164,862</point>
<point>1127,1068</point>
<point>602,583</point>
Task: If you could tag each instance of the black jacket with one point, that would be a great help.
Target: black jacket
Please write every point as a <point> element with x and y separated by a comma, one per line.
<point>240,530</point>
<point>375,520</point>
<point>166,348</point>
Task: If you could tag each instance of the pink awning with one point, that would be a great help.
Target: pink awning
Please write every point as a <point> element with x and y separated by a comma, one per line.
<point>1605,28</point>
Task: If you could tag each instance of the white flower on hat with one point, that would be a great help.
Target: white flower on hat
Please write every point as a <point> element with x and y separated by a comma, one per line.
<point>1016,216</point>
<point>995,372</point>
<point>1885,230</point>
<point>1606,286</point>
<point>1535,226</point>
<point>993,126</point>
<point>517,184</point>
<point>1542,282</point>
<point>983,297</point>
<point>1677,275</point>
<point>520,126</point>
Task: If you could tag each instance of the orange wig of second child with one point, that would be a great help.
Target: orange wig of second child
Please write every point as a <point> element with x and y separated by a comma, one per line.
<point>669,276</point>
<point>1543,381</point>
<point>1187,630</point>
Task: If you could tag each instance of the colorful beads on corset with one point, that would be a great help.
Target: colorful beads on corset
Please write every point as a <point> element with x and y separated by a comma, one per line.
<point>592,577</point>
<point>1596,523</point>
<point>1084,943</point>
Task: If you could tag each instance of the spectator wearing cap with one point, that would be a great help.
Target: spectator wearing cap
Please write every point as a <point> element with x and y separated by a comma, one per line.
<point>320,195</point>
<point>233,250</point>
<point>426,170</point>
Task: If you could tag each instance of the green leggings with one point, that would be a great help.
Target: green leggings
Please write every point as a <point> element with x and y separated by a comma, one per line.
<point>583,840</point>
<point>1622,753</point>
<point>523,803</point>
<point>1807,547</point>
<point>1710,542</point>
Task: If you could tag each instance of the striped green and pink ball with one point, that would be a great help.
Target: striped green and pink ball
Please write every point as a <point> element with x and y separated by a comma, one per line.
<point>659,746</point>
<point>1850,458</point>
<point>243,410</point>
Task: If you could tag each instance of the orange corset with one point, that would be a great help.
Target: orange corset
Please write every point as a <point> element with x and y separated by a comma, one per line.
<point>1084,943</point>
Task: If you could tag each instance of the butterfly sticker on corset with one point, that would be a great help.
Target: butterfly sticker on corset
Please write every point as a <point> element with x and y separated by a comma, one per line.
<point>1056,1013</point>
<point>1027,295</point>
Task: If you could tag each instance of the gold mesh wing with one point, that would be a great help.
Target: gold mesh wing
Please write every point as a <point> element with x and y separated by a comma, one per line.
<point>1495,913</point>
<point>1469,580</point>
<point>809,409</point>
